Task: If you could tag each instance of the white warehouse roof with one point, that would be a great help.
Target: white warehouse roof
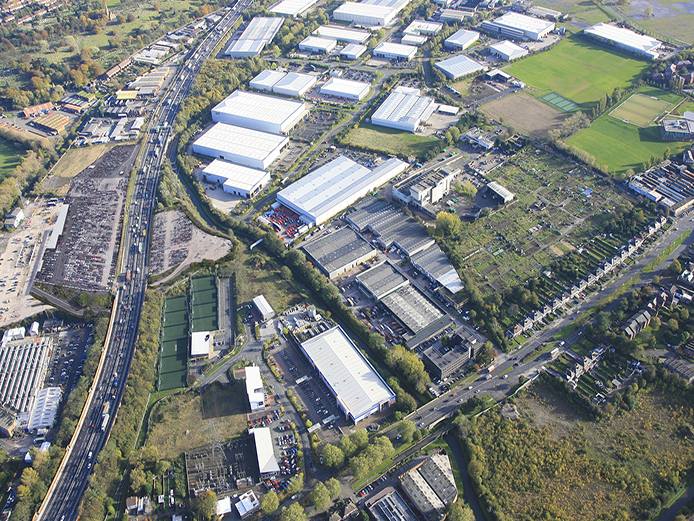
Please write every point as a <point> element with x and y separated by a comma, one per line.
<point>200,343</point>
<point>259,32</point>
<point>395,50</point>
<point>462,39</point>
<point>625,37</point>
<point>266,79</point>
<point>295,84</point>
<point>263,305</point>
<point>259,112</point>
<point>254,388</point>
<point>423,27</point>
<point>45,408</point>
<point>520,25</point>
<point>405,109</point>
<point>264,451</point>
<point>235,176</point>
<point>413,39</point>
<point>293,7</point>
<point>245,48</point>
<point>341,34</point>
<point>52,243</point>
<point>335,186</point>
<point>365,14</point>
<point>508,50</point>
<point>349,89</point>
<point>458,66</point>
<point>359,388</point>
<point>317,44</point>
<point>243,146</point>
<point>353,51</point>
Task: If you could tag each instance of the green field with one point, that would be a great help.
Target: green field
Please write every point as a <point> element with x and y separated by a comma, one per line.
<point>622,146</point>
<point>579,70</point>
<point>203,297</point>
<point>9,158</point>
<point>640,109</point>
<point>174,347</point>
<point>390,141</point>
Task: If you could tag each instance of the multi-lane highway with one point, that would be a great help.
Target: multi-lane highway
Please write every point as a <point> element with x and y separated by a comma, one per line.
<point>65,494</point>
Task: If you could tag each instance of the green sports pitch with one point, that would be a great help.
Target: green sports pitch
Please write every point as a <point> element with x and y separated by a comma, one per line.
<point>640,109</point>
<point>173,368</point>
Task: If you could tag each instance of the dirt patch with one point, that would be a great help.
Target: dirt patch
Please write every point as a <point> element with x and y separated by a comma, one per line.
<point>568,245</point>
<point>176,242</point>
<point>557,251</point>
<point>526,114</point>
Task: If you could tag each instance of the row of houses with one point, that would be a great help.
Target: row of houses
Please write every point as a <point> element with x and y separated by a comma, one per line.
<point>605,267</point>
<point>583,364</point>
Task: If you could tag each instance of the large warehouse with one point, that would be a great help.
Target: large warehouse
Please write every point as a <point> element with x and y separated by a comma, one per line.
<point>348,89</point>
<point>317,45</point>
<point>240,145</point>
<point>458,66</point>
<point>341,34</point>
<point>259,112</point>
<point>461,40</point>
<point>236,179</point>
<point>519,26</point>
<point>395,51</point>
<point>404,109</point>
<point>338,252</point>
<point>353,51</point>
<point>334,187</point>
<point>507,51</point>
<point>293,7</point>
<point>365,14</point>
<point>359,390</point>
<point>625,39</point>
<point>412,308</point>
<point>294,84</point>
<point>266,80</point>
<point>260,31</point>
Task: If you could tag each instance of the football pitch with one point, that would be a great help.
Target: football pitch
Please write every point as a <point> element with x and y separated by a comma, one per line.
<point>173,368</point>
<point>203,297</point>
<point>640,110</point>
<point>579,70</point>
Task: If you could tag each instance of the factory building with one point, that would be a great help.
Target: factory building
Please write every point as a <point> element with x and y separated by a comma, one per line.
<point>423,27</point>
<point>267,463</point>
<point>368,15</point>
<point>500,192</point>
<point>404,109</point>
<point>266,80</point>
<point>242,146</point>
<point>425,188</point>
<point>507,51</point>
<point>461,40</point>
<point>353,51</point>
<point>236,179</point>
<point>317,45</point>
<point>458,67</point>
<point>295,84</point>
<point>293,8</point>
<point>518,26</point>
<point>357,387</point>
<point>259,32</point>
<point>342,34</point>
<point>339,251</point>
<point>348,89</point>
<point>382,280</point>
<point>259,112</point>
<point>413,39</point>
<point>433,263</point>
<point>334,187</point>
<point>625,39</point>
<point>395,51</point>
<point>264,308</point>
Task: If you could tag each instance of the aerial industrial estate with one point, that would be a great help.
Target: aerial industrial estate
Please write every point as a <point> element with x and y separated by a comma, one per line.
<point>386,259</point>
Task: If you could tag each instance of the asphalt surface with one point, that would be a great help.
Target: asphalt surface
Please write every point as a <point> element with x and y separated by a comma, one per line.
<point>67,489</point>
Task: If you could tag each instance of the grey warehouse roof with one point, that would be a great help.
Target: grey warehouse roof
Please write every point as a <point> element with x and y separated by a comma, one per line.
<point>435,263</point>
<point>381,280</point>
<point>412,308</point>
<point>338,249</point>
<point>459,66</point>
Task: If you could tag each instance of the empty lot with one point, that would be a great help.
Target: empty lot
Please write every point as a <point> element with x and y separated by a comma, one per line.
<point>526,114</point>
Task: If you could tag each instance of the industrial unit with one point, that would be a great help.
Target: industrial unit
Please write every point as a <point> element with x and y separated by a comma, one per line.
<point>434,263</point>
<point>260,112</point>
<point>423,27</point>
<point>413,39</point>
<point>353,51</point>
<point>24,362</point>
<point>242,146</point>
<point>519,26</point>
<point>255,390</point>
<point>461,39</point>
<point>341,34</point>
<point>411,307</point>
<point>266,79</point>
<point>263,307</point>
<point>334,187</point>
<point>458,66</point>
<point>358,388</point>
<point>507,51</point>
<point>236,179</point>
<point>499,191</point>
<point>404,109</point>
<point>338,252</point>
<point>267,463</point>
<point>395,51</point>
<point>295,84</point>
<point>200,344</point>
<point>625,39</point>
<point>317,45</point>
<point>348,89</point>
<point>382,280</point>
<point>425,188</point>
<point>430,485</point>
<point>293,7</point>
<point>369,15</point>
<point>259,32</point>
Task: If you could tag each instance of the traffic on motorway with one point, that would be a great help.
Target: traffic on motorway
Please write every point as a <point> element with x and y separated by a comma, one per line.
<point>69,484</point>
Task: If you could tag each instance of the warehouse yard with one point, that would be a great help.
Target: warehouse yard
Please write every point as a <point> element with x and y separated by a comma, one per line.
<point>525,114</point>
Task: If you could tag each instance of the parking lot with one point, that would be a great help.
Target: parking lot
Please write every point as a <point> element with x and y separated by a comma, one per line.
<point>315,125</point>
<point>70,350</point>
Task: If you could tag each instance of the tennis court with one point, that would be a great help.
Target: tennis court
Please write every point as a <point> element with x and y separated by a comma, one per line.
<point>640,109</point>
<point>173,368</point>
<point>203,298</point>
<point>560,102</point>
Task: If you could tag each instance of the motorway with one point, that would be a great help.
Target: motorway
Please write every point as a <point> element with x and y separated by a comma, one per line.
<point>94,427</point>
